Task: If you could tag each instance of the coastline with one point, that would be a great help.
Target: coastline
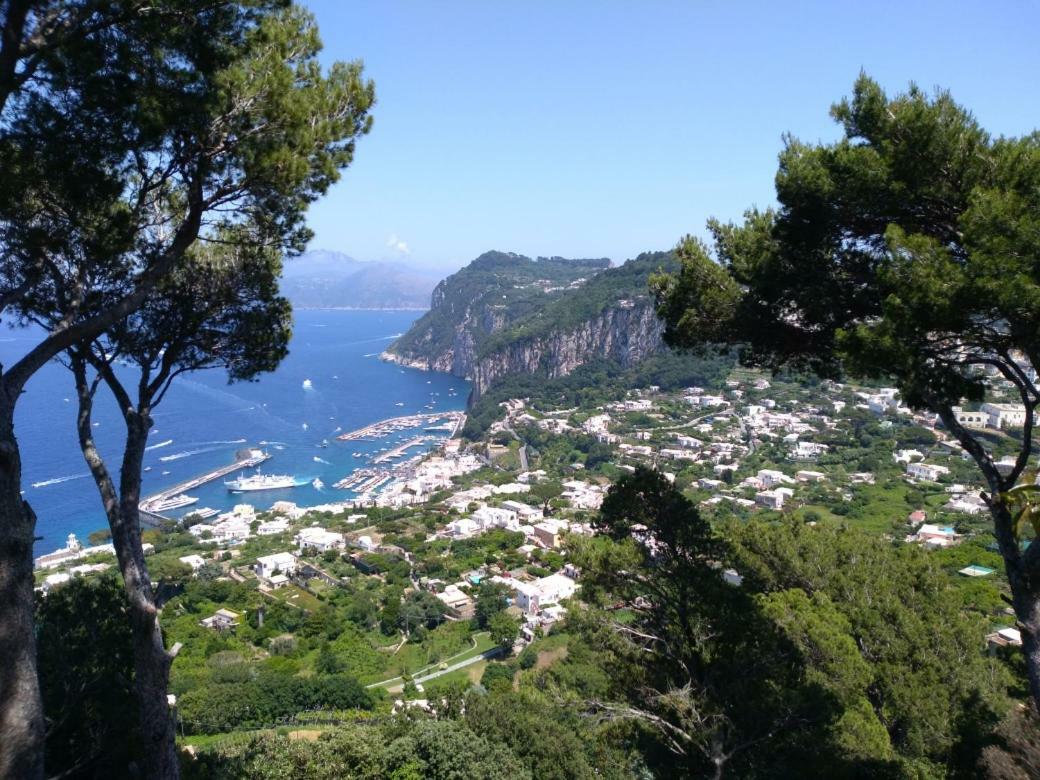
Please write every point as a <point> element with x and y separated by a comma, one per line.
<point>389,357</point>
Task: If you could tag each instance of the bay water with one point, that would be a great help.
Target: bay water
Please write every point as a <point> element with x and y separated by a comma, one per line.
<point>331,382</point>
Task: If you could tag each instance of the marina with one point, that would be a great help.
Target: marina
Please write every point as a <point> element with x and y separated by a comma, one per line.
<point>401,449</point>
<point>384,428</point>
<point>387,464</point>
<point>244,459</point>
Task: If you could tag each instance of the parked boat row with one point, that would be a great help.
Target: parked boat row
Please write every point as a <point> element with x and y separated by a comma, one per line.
<point>384,428</point>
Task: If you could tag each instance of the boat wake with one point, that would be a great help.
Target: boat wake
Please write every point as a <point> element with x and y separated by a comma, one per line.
<point>166,443</point>
<point>58,480</point>
<point>186,454</point>
<point>321,460</point>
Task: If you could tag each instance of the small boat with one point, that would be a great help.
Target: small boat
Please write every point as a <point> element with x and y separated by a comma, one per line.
<point>356,454</point>
<point>399,403</point>
<point>305,426</point>
<point>147,468</point>
<point>317,483</point>
<point>307,384</point>
<point>165,473</point>
<point>324,443</point>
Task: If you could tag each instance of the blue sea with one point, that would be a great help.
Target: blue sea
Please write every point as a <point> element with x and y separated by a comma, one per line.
<point>203,421</point>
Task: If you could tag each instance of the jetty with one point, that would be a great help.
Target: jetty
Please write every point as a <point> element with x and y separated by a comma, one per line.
<point>244,459</point>
<point>401,449</point>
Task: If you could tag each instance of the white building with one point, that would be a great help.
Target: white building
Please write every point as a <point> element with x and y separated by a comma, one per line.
<point>770,499</point>
<point>771,477</point>
<point>596,424</point>
<point>488,517</point>
<point>277,525</point>
<point>810,476</point>
<point>532,597</point>
<point>196,562</point>
<point>976,419</point>
<point>807,450</point>
<point>926,471</point>
<point>934,536</point>
<point>278,563</point>
<point>1004,415</point>
<point>319,539</point>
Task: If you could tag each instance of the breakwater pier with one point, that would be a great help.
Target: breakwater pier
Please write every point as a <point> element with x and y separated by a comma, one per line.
<point>244,459</point>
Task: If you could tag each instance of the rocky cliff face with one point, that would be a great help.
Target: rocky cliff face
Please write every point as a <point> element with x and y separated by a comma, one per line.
<point>625,333</point>
<point>505,314</point>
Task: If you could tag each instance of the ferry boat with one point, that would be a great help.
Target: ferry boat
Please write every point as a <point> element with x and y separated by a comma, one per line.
<point>173,502</point>
<point>203,513</point>
<point>262,482</point>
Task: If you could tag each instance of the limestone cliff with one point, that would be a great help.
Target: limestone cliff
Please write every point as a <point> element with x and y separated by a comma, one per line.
<point>485,331</point>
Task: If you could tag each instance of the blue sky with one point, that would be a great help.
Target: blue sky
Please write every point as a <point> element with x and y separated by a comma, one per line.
<point>606,128</point>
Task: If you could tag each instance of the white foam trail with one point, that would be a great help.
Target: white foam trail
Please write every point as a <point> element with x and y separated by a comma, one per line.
<point>166,443</point>
<point>228,441</point>
<point>186,454</point>
<point>58,480</point>
<point>321,460</point>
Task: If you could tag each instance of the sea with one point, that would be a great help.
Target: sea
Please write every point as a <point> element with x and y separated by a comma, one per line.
<point>331,382</point>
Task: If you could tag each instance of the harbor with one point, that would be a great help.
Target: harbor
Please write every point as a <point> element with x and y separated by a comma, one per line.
<point>384,428</point>
<point>153,506</point>
<point>386,465</point>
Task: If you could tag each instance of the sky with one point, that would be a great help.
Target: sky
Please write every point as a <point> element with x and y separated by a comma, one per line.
<point>607,128</point>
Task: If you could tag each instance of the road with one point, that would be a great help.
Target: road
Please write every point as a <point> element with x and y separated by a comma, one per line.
<point>486,655</point>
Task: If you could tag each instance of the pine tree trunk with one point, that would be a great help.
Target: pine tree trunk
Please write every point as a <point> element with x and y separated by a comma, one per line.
<point>21,709</point>
<point>151,660</point>
<point>1026,599</point>
<point>1025,593</point>
<point>151,681</point>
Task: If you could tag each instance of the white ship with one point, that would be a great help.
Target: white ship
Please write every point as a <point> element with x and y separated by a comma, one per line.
<point>173,502</point>
<point>262,482</point>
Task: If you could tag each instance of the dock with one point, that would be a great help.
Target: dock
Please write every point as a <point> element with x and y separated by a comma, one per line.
<point>385,427</point>
<point>251,460</point>
<point>401,449</point>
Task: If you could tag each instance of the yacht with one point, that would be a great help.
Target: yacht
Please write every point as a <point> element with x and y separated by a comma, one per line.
<point>173,502</point>
<point>262,482</point>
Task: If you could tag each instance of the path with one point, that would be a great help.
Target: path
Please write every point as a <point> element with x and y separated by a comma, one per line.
<point>486,655</point>
<point>470,649</point>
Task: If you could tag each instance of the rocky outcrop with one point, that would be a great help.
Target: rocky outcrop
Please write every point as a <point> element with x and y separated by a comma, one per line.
<point>625,334</point>
<point>505,314</point>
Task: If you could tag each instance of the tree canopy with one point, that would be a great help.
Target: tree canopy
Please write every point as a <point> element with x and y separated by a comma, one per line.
<point>907,249</point>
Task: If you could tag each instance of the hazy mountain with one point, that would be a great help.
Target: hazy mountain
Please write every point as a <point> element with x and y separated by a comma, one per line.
<point>325,278</point>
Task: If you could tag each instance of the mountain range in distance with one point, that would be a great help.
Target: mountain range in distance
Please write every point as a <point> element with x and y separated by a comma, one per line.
<point>323,279</point>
